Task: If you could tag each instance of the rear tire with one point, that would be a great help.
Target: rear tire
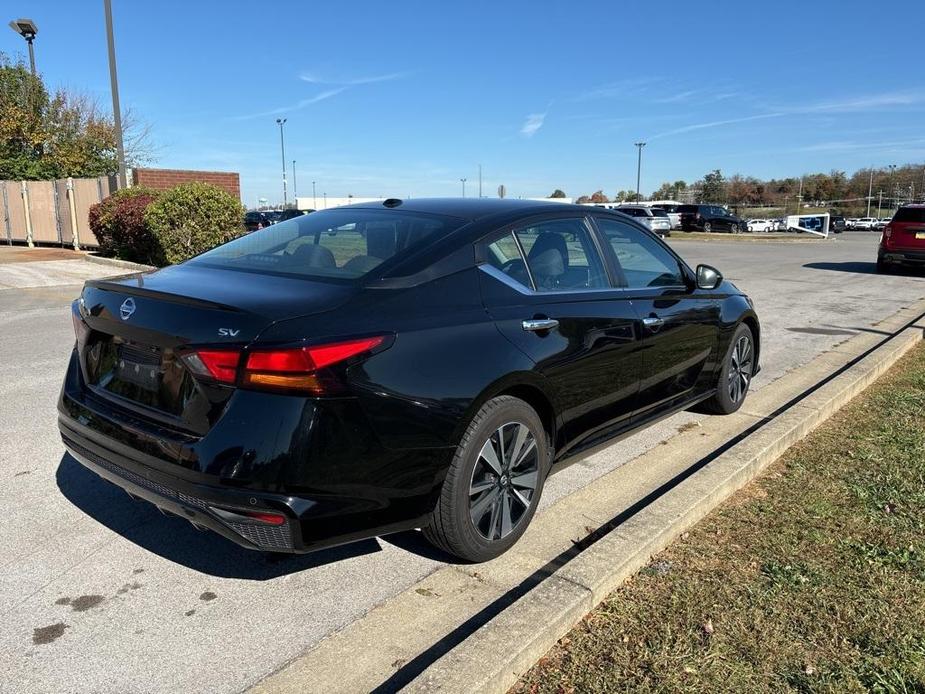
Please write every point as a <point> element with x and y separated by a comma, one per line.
<point>736,374</point>
<point>707,227</point>
<point>494,483</point>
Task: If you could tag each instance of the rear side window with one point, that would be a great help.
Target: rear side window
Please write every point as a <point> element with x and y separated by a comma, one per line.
<point>910,214</point>
<point>645,263</point>
<point>560,256</point>
<point>337,244</point>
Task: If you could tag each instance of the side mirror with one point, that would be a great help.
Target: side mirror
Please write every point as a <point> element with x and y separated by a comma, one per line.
<point>708,277</point>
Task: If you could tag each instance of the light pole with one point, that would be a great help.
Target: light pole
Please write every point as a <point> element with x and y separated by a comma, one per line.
<point>295,195</point>
<point>282,149</point>
<point>800,196</point>
<point>114,88</point>
<point>639,146</point>
<point>890,191</point>
<point>480,180</point>
<point>27,29</point>
<point>314,202</point>
<point>870,190</point>
<point>463,181</point>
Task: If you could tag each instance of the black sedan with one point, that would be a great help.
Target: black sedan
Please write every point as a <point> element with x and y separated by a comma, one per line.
<point>406,364</point>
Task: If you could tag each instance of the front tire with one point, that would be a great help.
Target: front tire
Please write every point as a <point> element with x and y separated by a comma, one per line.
<point>494,483</point>
<point>736,375</point>
<point>707,227</point>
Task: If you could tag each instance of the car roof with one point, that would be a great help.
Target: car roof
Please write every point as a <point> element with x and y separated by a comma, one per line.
<point>474,208</point>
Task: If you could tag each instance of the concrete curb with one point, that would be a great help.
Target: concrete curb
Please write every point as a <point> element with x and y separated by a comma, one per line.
<point>115,262</point>
<point>443,631</point>
<point>493,657</point>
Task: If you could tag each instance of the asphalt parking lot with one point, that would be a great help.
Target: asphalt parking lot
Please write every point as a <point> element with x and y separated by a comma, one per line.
<point>100,593</point>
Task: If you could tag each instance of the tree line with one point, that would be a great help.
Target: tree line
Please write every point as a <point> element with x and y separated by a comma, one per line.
<point>835,189</point>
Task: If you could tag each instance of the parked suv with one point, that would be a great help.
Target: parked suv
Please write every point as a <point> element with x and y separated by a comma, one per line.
<point>653,217</point>
<point>903,239</point>
<point>710,218</point>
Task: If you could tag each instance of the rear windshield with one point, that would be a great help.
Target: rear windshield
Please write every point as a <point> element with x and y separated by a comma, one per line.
<point>658,212</point>
<point>667,208</point>
<point>910,214</point>
<point>687,208</point>
<point>337,244</point>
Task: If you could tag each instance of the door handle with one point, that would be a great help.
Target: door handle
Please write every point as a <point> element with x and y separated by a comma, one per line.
<point>653,322</point>
<point>538,324</point>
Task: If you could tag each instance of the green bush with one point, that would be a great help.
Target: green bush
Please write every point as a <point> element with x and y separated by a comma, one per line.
<point>119,225</point>
<point>192,218</point>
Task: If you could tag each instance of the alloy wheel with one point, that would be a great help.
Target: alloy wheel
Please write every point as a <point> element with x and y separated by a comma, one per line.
<point>740,368</point>
<point>504,481</point>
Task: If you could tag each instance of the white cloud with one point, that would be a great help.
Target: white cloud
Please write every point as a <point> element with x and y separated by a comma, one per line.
<point>315,78</point>
<point>294,107</point>
<point>715,124</point>
<point>533,123</point>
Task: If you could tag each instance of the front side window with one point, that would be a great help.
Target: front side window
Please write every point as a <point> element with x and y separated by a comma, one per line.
<point>337,244</point>
<point>645,263</point>
<point>561,256</point>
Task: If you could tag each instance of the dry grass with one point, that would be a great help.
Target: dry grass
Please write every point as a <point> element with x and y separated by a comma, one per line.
<point>810,579</point>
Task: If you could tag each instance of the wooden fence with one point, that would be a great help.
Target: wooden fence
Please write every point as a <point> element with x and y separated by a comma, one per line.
<point>51,212</point>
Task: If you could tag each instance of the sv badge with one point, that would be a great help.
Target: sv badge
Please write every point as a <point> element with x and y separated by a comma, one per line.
<point>228,332</point>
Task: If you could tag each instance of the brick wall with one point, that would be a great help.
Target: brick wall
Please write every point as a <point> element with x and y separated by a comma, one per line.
<point>162,179</point>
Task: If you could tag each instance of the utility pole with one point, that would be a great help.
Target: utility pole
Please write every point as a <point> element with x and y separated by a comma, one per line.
<point>480,180</point>
<point>114,87</point>
<point>879,202</point>
<point>890,190</point>
<point>800,196</point>
<point>870,189</point>
<point>639,146</point>
<point>314,201</point>
<point>463,181</point>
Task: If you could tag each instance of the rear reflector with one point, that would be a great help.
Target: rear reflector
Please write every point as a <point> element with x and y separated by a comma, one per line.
<point>238,515</point>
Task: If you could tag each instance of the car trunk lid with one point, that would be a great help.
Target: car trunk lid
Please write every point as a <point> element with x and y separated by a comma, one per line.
<point>140,326</point>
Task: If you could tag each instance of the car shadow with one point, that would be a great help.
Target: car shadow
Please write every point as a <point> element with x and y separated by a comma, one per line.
<point>863,268</point>
<point>176,540</point>
<point>856,266</point>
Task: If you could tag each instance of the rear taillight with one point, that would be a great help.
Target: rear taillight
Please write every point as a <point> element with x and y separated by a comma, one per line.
<point>301,368</point>
<point>294,369</point>
<point>887,231</point>
<point>81,329</point>
<point>218,364</point>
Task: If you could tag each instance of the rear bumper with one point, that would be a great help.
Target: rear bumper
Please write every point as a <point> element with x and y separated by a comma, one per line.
<point>200,506</point>
<point>901,257</point>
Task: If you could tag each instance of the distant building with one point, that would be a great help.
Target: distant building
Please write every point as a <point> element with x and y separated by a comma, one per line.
<point>321,202</point>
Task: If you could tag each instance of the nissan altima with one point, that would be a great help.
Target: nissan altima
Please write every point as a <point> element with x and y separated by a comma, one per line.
<point>388,366</point>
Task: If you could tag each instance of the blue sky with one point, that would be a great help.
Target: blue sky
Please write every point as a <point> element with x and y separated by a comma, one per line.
<point>405,98</point>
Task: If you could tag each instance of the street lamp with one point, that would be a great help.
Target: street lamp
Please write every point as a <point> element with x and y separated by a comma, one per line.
<point>114,87</point>
<point>27,29</point>
<point>295,195</point>
<point>314,201</point>
<point>282,148</point>
<point>463,181</point>
<point>639,146</point>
